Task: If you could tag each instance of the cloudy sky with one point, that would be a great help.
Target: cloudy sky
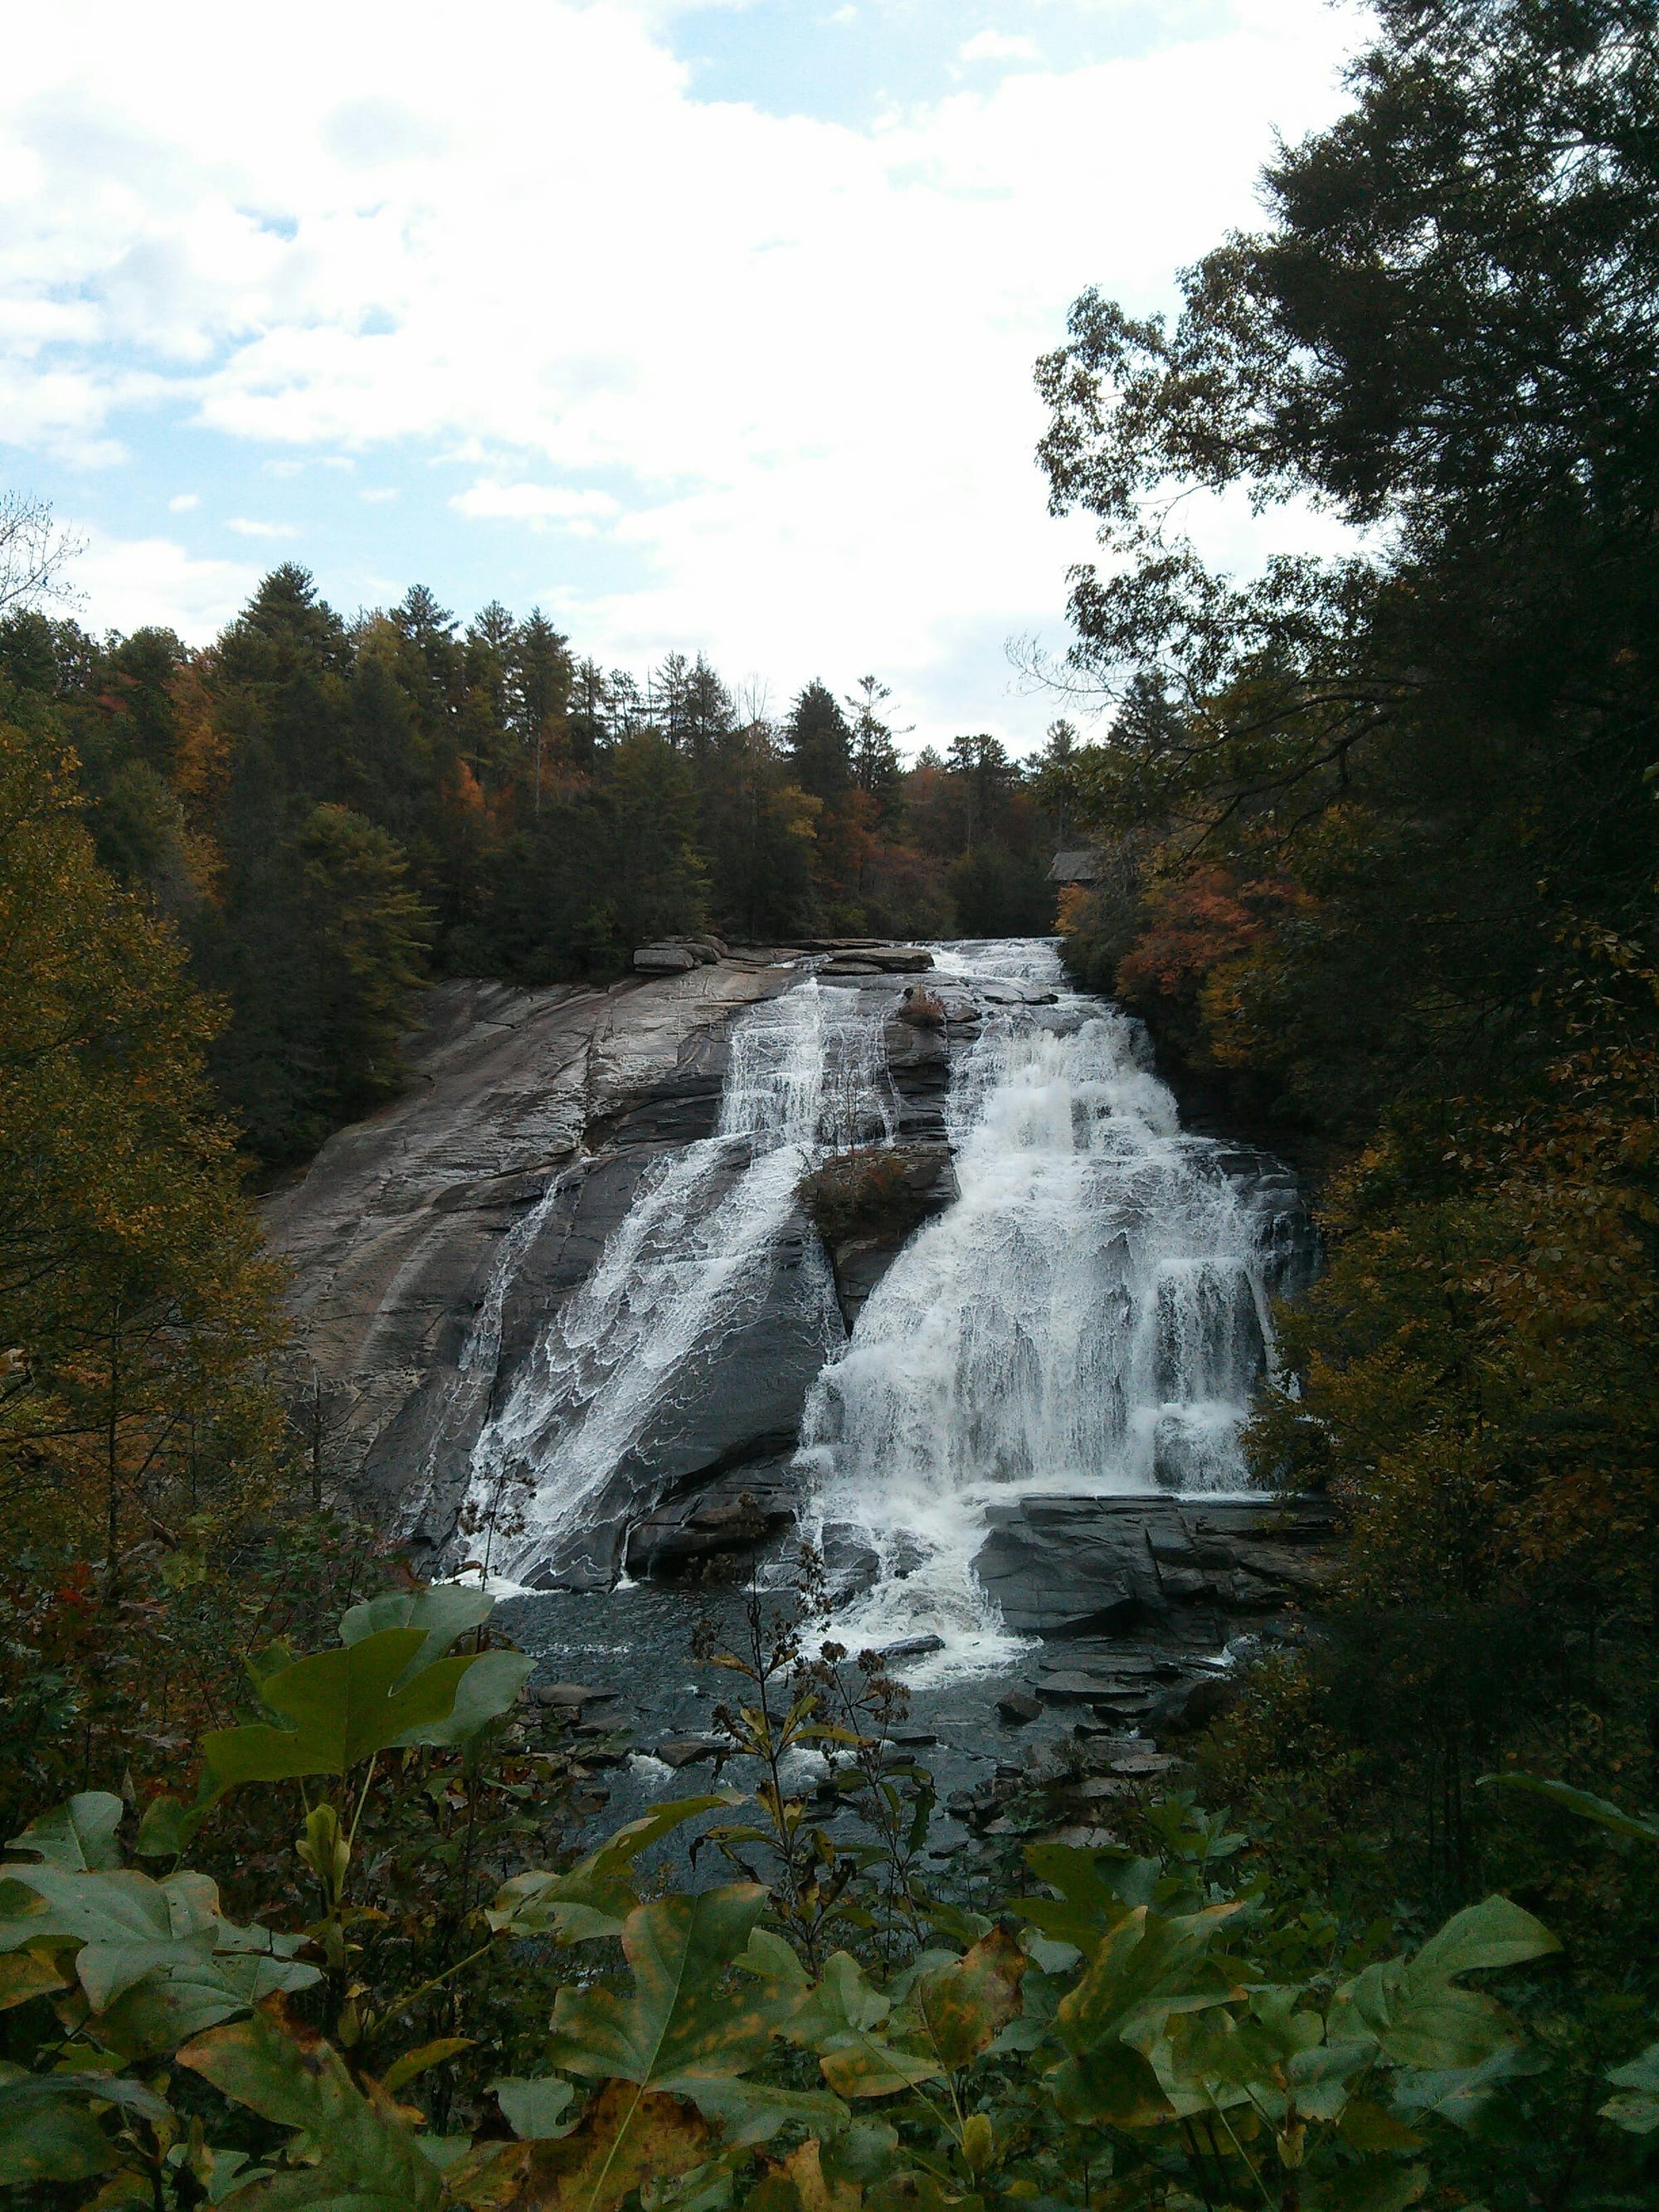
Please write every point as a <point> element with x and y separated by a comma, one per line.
<point>703,327</point>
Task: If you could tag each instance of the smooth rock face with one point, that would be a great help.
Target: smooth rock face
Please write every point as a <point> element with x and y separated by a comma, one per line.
<point>556,1099</point>
<point>1068,1566</point>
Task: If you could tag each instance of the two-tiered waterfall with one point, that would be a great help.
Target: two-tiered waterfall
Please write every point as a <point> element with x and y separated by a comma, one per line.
<point>1090,1316</point>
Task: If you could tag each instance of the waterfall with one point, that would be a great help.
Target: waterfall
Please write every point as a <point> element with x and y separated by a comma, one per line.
<point>1090,1316</point>
<point>680,1273</point>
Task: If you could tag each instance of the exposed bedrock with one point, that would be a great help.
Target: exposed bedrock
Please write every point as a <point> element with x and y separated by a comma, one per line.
<point>531,1117</point>
<point>1064,1566</point>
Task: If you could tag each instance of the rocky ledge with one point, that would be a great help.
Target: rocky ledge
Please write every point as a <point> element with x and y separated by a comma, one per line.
<point>533,1113</point>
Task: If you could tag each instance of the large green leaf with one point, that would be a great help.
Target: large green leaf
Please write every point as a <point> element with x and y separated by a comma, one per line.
<point>344,1706</point>
<point>1215,2059</point>
<point>1110,2086</point>
<point>678,2025</point>
<point>442,1612</point>
<point>958,2009</point>
<point>120,1908</point>
<point>1097,1889</point>
<point>183,1997</point>
<point>1643,1827</point>
<point>155,1959</point>
<point>1145,1971</point>
<point>748,2112</point>
<point>47,2132</point>
<point>79,1835</point>
<point>1147,1968</point>
<point>1413,2011</point>
<point>595,1897</point>
<point>1493,1933</point>
<point>489,1688</point>
<point>535,2109</point>
<point>838,2019</point>
<point>1636,2108</point>
<point>371,2161</point>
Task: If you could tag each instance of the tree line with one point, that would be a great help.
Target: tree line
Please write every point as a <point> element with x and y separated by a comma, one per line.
<point>1384,882</point>
<point>330,811</point>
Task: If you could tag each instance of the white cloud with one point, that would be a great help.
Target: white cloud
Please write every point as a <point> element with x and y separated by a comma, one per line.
<point>379,495</point>
<point>246,527</point>
<point>182,503</point>
<point>998,47</point>
<point>799,352</point>
<point>539,505</point>
<point>131,583</point>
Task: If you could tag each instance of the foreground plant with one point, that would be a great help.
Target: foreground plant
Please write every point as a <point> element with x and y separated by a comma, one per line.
<point>1115,2036</point>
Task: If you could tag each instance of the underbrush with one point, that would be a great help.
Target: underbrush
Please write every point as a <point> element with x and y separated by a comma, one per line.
<point>1207,2013</point>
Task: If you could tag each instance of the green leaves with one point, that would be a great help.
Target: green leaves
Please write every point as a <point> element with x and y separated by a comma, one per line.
<point>1413,2010</point>
<point>593,1897</point>
<point>1636,2108</point>
<point>961,2009</point>
<point>838,2020</point>
<point>1642,1827</point>
<point>154,1958</point>
<point>535,2110</point>
<point>387,1686</point>
<point>370,2160</point>
<point>341,1707</point>
<point>48,2132</point>
<point>80,1835</point>
<point>677,2028</point>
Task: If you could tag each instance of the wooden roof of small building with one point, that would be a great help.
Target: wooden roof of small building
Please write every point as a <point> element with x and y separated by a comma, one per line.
<point>1082,865</point>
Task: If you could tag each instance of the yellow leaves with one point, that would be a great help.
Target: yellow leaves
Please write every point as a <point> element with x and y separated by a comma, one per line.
<point>627,2137</point>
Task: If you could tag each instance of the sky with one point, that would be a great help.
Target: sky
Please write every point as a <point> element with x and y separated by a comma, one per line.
<point>704,327</point>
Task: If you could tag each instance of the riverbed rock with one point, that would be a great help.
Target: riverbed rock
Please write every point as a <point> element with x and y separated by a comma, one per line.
<point>879,960</point>
<point>678,1751</point>
<point>1063,1566</point>
<point>664,959</point>
<point>531,1115</point>
<point>726,1520</point>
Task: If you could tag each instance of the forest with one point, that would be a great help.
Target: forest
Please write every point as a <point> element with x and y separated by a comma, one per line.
<point>329,813</point>
<point>300,1919</point>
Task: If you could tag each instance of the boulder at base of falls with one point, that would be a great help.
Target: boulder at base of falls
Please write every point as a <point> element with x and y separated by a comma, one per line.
<point>1069,1566</point>
<point>727,1520</point>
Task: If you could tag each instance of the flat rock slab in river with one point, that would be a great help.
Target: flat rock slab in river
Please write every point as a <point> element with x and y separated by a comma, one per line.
<point>1066,1566</point>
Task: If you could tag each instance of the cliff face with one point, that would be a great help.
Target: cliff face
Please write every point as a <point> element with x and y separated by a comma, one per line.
<point>532,1115</point>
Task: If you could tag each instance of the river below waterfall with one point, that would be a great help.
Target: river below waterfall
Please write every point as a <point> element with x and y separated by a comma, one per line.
<point>1087,1319</point>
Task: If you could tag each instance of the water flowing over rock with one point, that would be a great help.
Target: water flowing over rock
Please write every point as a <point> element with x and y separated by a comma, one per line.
<point>572,1321</point>
<point>1091,1316</point>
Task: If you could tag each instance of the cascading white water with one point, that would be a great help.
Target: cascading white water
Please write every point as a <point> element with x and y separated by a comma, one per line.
<point>680,1272</point>
<point>1090,1316</point>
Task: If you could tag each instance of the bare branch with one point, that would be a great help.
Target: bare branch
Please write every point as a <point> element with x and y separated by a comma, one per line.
<point>34,553</point>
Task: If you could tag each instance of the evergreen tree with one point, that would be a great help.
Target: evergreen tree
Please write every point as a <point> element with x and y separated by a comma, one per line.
<point>820,744</point>
<point>540,676</point>
<point>877,769</point>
